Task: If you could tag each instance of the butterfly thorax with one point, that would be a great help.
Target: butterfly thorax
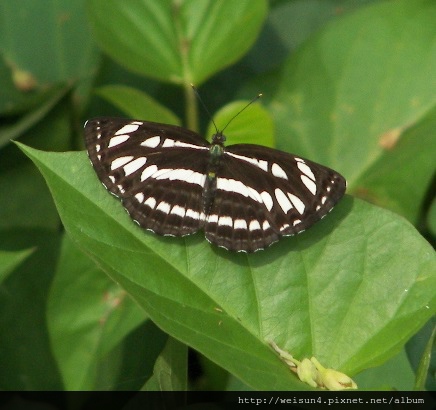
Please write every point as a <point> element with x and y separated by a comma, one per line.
<point>216,151</point>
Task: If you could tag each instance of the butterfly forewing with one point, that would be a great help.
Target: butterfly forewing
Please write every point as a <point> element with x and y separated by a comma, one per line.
<point>157,170</point>
<point>173,182</point>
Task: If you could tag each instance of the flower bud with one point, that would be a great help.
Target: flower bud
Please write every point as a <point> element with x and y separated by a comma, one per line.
<point>307,372</point>
<point>332,379</point>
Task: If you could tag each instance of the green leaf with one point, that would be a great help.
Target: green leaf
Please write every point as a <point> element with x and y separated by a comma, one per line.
<point>25,346</point>
<point>289,24</point>
<point>48,99</point>
<point>394,374</point>
<point>351,291</point>
<point>254,125</point>
<point>15,102</point>
<point>354,89</point>
<point>400,178</point>
<point>213,377</point>
<point>176,41</point>
<point>29,203</point>
<point>88,315</point>
<point>141,348</point>
<point>25,186</point>
<point>424,364</point>
<point>170,371</point>
<point>51,42</point>
<point>10,260</point>
<point>137,104</point>
<point>235,384</point>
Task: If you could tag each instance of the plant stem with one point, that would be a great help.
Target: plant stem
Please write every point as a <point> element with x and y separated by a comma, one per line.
<point>184,44</point>
<point>191,108</point>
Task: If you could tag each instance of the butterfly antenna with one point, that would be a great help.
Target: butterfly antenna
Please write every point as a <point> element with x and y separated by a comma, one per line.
<point>204,106</point>
<point>210,116</point>
<point>251,102</point>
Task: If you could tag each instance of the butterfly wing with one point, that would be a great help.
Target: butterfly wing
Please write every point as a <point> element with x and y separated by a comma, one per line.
<point>160,173</point>
<point>263,194</point>
<point>157,170</point>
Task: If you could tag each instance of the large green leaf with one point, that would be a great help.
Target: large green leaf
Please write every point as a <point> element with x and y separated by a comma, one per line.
<point>350,291</point>
<point>88,315</point>
<point>176,41</point>
<point>353,98</point>
<point>48,41</point>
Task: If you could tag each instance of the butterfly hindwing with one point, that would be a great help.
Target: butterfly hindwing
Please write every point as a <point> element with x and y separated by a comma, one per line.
<point>267,194</point>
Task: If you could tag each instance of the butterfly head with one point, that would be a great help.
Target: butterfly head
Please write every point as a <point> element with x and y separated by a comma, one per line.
<point>219,138</point>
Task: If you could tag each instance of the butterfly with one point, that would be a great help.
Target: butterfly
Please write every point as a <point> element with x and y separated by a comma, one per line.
<point>174,182</point>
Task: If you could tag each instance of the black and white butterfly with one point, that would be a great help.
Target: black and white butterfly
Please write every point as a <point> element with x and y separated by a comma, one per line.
<point>173,182</point>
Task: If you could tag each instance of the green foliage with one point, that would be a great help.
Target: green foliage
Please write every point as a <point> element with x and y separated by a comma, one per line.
<point>98,317</point>
<point>353,91</point>
<point>10,261</point>
<point>134,103</point>
<point>171,40</point>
